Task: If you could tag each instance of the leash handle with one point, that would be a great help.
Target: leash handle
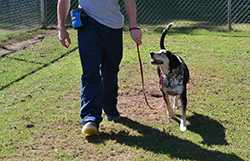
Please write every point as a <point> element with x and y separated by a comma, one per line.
<point>142,77</point>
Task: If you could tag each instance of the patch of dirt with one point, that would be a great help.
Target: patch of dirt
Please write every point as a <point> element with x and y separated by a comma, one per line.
<point>13,45</point>
<point>64,135</point>
<point>131,100</point>
<point>4,52</point>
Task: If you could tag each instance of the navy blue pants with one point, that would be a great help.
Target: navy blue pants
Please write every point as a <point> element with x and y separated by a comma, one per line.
<point>100,49</point>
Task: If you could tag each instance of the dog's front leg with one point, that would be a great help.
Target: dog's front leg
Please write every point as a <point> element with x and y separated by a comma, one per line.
<point>170,111</point>
<point>174,102</point>
<point>183,97</point>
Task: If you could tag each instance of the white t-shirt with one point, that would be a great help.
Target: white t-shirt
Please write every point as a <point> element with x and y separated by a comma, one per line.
<point>106,12</point>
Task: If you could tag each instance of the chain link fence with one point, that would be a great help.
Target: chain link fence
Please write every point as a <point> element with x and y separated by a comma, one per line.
<point>227,14</point>
<point>19,13</point>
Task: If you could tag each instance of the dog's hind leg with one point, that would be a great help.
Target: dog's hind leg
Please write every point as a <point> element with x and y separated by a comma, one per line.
<point>183,98</point>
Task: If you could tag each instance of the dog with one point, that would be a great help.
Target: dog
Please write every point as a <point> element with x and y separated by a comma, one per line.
<point>174,77</point>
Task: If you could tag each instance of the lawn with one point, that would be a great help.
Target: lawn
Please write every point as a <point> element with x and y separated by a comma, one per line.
<point>39,103</point>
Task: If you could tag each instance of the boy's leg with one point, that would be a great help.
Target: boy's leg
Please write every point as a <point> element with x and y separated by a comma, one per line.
<point>110,69</point>
<point>91,83</point>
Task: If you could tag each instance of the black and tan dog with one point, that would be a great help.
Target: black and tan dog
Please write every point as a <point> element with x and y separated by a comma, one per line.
<point>174,76</point>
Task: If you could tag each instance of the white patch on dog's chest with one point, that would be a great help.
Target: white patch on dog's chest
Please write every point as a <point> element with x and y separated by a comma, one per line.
<point>172,83</point>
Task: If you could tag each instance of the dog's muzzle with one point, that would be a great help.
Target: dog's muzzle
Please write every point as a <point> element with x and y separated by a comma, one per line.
<point>155,61</point>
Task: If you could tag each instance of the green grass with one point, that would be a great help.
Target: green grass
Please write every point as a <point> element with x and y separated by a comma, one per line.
<point>37,90</point>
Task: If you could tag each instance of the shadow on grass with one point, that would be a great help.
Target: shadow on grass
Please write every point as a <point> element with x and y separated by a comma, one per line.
<point>24,60</point>
<point>211,131</point>
<point>159,142</point>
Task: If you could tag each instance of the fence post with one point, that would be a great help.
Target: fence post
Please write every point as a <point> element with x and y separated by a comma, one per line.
<point>43,8</point>
<point>229,14</point>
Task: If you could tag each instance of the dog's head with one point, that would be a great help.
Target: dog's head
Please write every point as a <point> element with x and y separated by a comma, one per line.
<point>160,58</point>
<point>165,60</point>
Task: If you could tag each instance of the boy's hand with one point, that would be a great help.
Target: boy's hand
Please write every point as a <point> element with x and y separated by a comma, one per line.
<point>63,37</point>
<point>136,35</point>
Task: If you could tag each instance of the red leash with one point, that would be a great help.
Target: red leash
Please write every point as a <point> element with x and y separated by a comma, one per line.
<point>142,78</point>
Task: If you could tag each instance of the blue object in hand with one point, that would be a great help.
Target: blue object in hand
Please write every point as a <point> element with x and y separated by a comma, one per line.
<point>76,20</point>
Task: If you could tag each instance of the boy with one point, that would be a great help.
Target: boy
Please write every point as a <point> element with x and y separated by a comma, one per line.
<point>100,48</point>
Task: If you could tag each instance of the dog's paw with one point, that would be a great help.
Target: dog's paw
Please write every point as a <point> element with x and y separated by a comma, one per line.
<point>183,128</point>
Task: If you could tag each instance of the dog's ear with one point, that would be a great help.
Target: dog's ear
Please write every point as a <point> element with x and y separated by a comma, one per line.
<point>168,52</point>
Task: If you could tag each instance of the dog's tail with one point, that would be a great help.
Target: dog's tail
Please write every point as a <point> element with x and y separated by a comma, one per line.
<point>163,35</point>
